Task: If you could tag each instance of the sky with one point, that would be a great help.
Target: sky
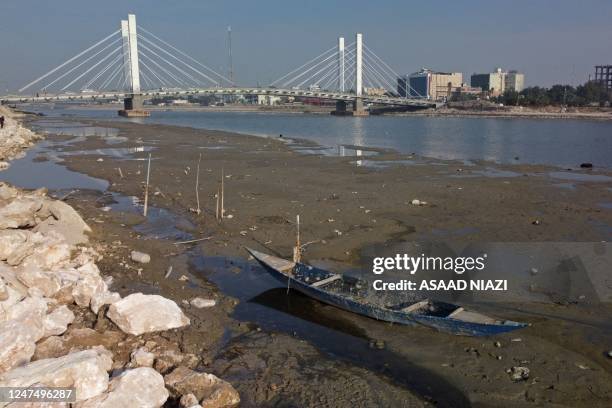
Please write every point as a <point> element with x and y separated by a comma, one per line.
<point>551,41</point>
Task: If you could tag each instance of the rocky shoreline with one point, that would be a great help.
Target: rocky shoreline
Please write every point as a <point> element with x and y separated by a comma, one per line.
<point>52,293</point>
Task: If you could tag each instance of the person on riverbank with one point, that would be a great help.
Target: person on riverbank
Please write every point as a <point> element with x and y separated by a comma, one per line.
<point>1,122</point>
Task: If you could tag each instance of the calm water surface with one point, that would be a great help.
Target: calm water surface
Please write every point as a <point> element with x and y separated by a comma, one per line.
<point>564,143</point>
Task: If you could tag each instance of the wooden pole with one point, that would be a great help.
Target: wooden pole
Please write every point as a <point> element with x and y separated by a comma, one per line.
<point>297,251</point>
<point>222,194</point>
<point>218,197</point>
<point>146,198</point>
<point>197,185</point>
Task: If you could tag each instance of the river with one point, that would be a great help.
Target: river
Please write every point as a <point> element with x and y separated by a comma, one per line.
<point>557,142</point>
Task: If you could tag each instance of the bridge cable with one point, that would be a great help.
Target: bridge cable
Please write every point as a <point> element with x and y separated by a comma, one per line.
<point>186,74</point>
<point>178,80</point>
<point>81,64</point>
<point>186,55</point>
<point>94,66</point>
<point>68,62</point>
<point>178,59</point>
<point>302,66</point>
<point>101,72</point>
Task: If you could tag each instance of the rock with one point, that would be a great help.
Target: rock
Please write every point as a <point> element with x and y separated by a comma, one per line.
<point>4,165</point>
<point>497,344</point>
<point>415,202</point>
<point>140,387</point>
<point>169,359</point>
<point>89,285</point>
<point>10,240</point>
<point>34,277</point>
<point>209,389</point>
<point>610,354</point>
<point>56,322</point>
<point>189,401</point>
<point>49,253</point>
<point>137,314</point>
<point>29,312</point>
<point>65,221</point>
<point>76,340</point>
<point>519,373</point>
<point>19,213</point>
<point>4,291</point>
<point>86,371</point>
<point>140,257</point>
<point>142,358</point>
<point>17,344</point>
<point>534,271</point>
<point>200,303</point>
<point>105,298</point>
<point>586,165</point>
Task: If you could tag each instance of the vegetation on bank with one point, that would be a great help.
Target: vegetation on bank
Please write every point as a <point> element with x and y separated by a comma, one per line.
<point>591,93</point>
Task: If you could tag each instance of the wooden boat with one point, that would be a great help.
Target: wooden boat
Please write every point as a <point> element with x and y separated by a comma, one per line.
<point>353,294</point>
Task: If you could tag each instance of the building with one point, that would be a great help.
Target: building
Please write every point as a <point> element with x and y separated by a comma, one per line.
<point>514,81</point>
<point>375,91</point>
<point>603,74</point>
<point>497,82</point>
<point>269,100</point>
<point>429,84</point>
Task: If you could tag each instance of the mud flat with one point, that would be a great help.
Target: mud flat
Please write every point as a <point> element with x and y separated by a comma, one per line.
<point>284,349</point>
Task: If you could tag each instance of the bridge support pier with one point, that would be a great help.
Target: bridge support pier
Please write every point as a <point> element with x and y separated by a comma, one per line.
<point>133,107</point>
<point>358,109</point>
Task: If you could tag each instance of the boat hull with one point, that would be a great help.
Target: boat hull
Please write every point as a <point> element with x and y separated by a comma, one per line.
<point>444,324</point>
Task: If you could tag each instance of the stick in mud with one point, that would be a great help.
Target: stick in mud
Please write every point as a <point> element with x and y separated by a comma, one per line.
<point>146,197</point>
<point>217,210</point>
<point>222,195</point>
<point>120,172</point>
<point>198,211</point>
<point>297,250</point>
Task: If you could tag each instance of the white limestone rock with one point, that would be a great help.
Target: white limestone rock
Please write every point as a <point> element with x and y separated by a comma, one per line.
<point>34,277</point>
<point>86,371</point>
<point>100,299</point>
<point>64,220</point>
<point>17,344</point>
<point>141,357</point>
<point>140,387</point>
<point>10,240</point>
<point>137,314</point>
<point>19,212</point>
<point>212,391</point>
<point>140,257</point>
<point>200,303</point>
<point>56,322</point>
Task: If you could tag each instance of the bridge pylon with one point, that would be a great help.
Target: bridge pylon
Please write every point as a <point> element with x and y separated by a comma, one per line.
<point>132,105</point>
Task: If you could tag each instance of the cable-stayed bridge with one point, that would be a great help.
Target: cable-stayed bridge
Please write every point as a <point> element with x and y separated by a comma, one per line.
<point>134,64</point>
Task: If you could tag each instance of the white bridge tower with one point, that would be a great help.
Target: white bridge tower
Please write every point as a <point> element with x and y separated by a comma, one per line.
<point>358,64</point>
<point>341,64</point>
<point>130,53</point>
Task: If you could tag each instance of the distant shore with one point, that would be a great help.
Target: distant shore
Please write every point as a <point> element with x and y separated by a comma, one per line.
<point>549,112</point>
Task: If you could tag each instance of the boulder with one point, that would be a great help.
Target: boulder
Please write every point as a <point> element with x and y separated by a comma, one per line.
<point>17,344</point>
<point>90,284</point>
<point>34,277</point>
<point>65,221</point>
<point>100,299</point>
<point>210,390</point>
<point>189,401</point>
<point>19,212</point>
<point>29,312</point>
<point>140,387</point>
<point>49,254</point>
<point>141,358</point>
<point>86,371</point>
<point>56,322</point>
<point>10,240</point>
<point>137,314</point>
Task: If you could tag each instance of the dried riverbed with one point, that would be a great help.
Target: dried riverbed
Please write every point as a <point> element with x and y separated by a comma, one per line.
<point>289,350</point>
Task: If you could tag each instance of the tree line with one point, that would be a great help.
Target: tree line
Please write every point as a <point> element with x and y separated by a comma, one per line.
<point>591,93</point>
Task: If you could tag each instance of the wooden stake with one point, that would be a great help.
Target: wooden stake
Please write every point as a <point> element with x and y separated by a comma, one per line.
<point>222,194</point>
<point>217,211</point>
<point>197,185</point>
<point>146,198</point>
<point>297,251</point>
<point>120,172</point>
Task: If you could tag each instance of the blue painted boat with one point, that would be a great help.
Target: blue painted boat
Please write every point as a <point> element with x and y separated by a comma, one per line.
<point>352,294</point>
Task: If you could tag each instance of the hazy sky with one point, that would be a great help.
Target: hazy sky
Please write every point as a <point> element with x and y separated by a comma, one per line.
<point>551,41</point>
